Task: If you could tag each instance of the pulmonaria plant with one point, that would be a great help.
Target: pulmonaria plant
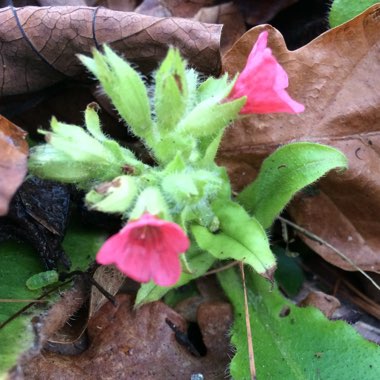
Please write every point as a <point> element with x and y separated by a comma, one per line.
<point>185,199</point>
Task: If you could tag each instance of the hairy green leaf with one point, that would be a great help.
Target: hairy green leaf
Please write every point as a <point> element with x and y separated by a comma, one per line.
<point>283,173</point>
<point>291,342</point>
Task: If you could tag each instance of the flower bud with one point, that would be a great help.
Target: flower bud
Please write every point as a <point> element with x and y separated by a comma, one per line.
<point>114,196</point>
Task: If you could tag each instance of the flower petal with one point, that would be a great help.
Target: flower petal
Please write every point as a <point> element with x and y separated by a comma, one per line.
<point>264,81</point>
<point>145,249</point>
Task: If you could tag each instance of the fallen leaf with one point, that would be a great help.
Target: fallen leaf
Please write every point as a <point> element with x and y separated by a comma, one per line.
<point>123,349</point>
<point>111,280</point>
<point>152,8</point>
<point>326,303</point>
<point>117,5</point>
<point>185,8</point>
<point>230,16</point>
<point>47,40</point>
<point>13,161</point>
<point>336,77</point>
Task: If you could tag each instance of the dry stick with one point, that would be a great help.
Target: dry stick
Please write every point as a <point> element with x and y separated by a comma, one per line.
<point>316,238</point>
<point>221,269</point>
<point>251,354</point>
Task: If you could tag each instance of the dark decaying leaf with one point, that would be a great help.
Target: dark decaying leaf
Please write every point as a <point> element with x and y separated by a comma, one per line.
<point>38,214</point>
<point>13,161</point>
<point>123,340</point>
<point>47,40</point>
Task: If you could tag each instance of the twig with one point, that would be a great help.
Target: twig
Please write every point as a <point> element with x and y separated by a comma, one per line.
<point>221,269</point>
<point>251,354</point>
<point>316,238</point>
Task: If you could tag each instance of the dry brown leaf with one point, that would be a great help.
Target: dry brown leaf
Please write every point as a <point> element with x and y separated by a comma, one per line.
<point>185,8</point>
<point>39,44</point>
<point>127,344</point>
<point>337,77</point>
<point>13,161</point>
<point>326,303</point>
<point>152,8</point>
<point>230,16</point>
<point>111,280</point>
<point>117,5</point>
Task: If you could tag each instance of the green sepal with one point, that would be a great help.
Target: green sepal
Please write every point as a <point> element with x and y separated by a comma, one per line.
<point>92,121</point>
<point>151,201</point>
<point>215,88</point>
<point>171,91</point>
<point>177,164</point>
<point>210,117</point>
<point>210,148</point>
<point>283,173</point>
<point>75,142</point>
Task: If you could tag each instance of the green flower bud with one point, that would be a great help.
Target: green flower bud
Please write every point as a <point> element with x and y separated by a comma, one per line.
<point>114,196</point>
<point>125,88</point>
<point>47,162</point>
<point>171,91</point>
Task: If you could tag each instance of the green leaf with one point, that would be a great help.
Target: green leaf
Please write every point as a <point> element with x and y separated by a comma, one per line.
<point>283,173</point>
<point>301,344</point>
<point>216,88</point>
<point>199,261</point>
<point>18,262</point>
<point>344,10</point>
<point>241,237</point>
<point>289,274</point>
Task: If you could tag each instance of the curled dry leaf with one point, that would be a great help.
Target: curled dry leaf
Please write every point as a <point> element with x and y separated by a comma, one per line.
<point>47,40</point>
<point>123,349</point>
<point>230,16</point>
<point>13,161</point>
<point>337,77</point>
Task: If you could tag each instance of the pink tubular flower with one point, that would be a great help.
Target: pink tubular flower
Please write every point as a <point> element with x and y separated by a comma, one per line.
<point>146,249</point>
<point>264,81</point>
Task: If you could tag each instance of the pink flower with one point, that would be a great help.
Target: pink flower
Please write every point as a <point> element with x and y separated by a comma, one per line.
<point>145,249</point>
<point>264,81</point>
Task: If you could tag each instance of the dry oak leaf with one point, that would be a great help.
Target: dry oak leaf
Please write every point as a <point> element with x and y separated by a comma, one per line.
<point>38,45</point>
<point>230,16</point>
<point>337,77</point>
<point>13,161</point>
<point>139,344</point>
